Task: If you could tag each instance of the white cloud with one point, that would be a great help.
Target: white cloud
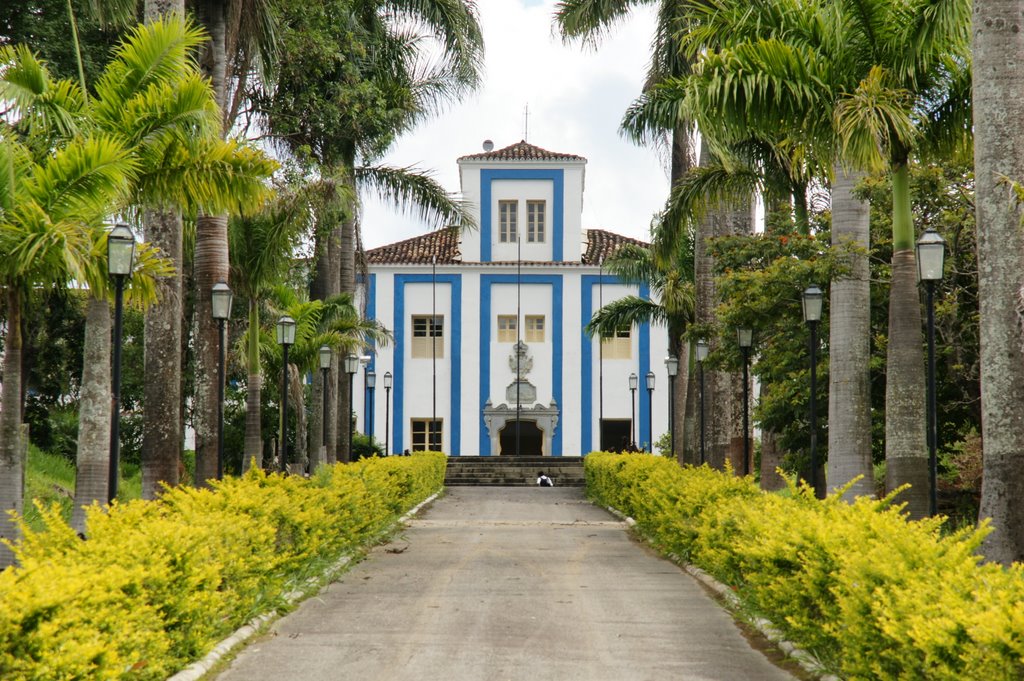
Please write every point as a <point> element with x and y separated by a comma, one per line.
<point>576,98</point>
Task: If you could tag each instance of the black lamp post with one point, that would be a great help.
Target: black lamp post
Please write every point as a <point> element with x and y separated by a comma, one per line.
<point>650,410</point>
<point>745,338</point>
<point>351,367</point>
<point>286,338</point>
<point>672,367</point>
<point>387,413</point>
<point>325,355</point>
<point>371,383</point>
<point>120,261</point>
<point>633,382</point>
<point>702,354</point>
<point>221,310</point>
<point>812,301</point>
<point>931,251</point>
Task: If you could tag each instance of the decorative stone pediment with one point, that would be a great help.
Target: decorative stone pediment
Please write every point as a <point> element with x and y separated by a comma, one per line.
<point>496,418</point>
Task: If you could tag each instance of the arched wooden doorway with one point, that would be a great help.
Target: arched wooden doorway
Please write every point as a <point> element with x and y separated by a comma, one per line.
<point>531,439</point>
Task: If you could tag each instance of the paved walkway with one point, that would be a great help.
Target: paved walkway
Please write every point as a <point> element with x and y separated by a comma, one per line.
<point>495,584</point>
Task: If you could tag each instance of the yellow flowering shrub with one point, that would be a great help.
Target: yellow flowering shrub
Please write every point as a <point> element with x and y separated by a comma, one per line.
<point>874,595</point>
<point>158,583</point>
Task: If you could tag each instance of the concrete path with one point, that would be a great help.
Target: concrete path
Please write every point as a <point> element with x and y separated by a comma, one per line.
<point>516,584</point>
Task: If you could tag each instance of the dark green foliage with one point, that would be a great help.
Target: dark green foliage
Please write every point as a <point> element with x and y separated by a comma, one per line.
<point>44,26</point>
<point>364,446</point>
<point>329,93</point>
<point>943,199</point>
<point>761,279</point>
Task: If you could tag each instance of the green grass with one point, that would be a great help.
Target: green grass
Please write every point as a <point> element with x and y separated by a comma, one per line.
<point>50,479</point>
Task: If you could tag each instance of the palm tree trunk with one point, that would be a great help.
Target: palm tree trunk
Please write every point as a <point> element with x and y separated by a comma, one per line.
<point>297,388</point>
<point>723,390</point>
<point>12,465</point>
<point>906,452</point>
<point>211,266</point>
<point>347,269</point>
<point>94,416</point>
<point>161,412</point>
<point>327,284</point>
<point>771,462</point>
<point>691,408</point>
<point>849,404</point>
<point>253,453</point>
<point>998,109</point>
<point>677,348</point>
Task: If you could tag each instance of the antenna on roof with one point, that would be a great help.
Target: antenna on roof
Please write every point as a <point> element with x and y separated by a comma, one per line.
<point>488,145</point>
<point>526,122</point>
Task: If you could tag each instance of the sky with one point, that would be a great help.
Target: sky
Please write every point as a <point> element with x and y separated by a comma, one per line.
<point>576,97</point>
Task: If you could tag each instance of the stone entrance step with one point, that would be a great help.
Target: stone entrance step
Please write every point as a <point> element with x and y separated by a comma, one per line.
<point>513,471</point>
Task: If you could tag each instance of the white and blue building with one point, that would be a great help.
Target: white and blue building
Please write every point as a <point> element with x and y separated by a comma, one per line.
<point>472,310</point>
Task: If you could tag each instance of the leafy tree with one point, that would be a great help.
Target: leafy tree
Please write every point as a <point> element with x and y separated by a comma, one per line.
<point>672,305</point>
<point>352,76</point>
<point>261,249</point>
<point>335,323</point>
<point>45,26</point>
<point>761,279</point>
<point>48,205</point>
<point>880,82</point>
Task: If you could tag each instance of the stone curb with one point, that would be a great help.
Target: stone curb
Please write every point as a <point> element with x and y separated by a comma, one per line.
<point>199,668</point>
<point>767,629</point>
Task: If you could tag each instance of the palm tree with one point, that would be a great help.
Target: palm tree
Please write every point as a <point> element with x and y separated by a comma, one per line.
<point>241,45</point>
<point>148,116</point>
<point>335,323</point>
<point>876,82</point>
<point>647,121</point>
<point>50,207</point>
<point>345,107</point>
<point>588,21</point>
<point>154,95</point>
<point>261,249</point>
<point>186,166</point>
<point>1000,254</point>
<point>670,280</point>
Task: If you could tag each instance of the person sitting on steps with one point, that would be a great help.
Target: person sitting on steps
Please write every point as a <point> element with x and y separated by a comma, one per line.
<point>543,480</point>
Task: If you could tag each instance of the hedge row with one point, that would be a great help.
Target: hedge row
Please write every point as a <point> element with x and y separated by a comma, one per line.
<point>874,595</point>
<point>157,584</point>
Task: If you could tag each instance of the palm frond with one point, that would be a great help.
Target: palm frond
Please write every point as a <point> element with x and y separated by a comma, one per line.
<point>34,103</point>
<point>417,192</point>
<point>589,20</point>
<point>873,120</point>
<point>629,311</point>
<point>633,264</point>
<point>261,245</point>
<point>154,52</point>
<point>708,186</point>
<point>208,174</point>
<point>653,114</point>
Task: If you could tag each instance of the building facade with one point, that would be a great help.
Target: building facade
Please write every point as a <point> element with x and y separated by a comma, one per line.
<point>488,325</point>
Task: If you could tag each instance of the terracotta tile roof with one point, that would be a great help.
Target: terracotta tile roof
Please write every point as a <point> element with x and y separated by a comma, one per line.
<point>521,151</point>
<point>444,243</point>
<point>601,244</point>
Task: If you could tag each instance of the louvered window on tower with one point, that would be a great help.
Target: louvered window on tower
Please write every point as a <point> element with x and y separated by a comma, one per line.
<point>535,221</point>
<point>427,336</point>
<point>508,218</point>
